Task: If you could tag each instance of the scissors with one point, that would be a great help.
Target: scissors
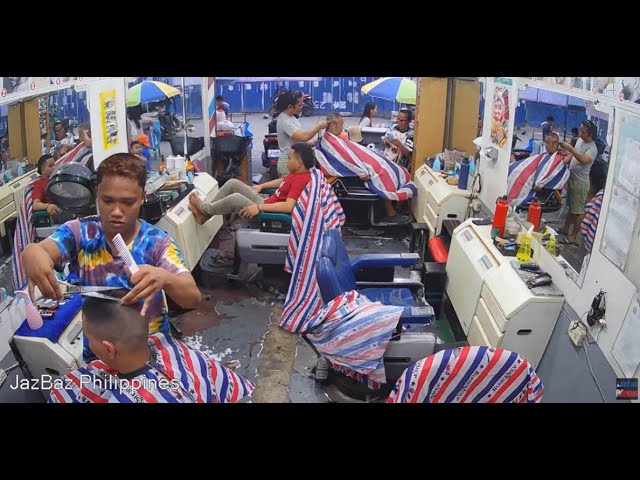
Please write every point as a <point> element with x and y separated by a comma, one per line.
<point>90,291</point>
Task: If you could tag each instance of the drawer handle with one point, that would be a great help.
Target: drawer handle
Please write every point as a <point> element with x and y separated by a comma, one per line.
<point>524,331</point>
<point>452,215</point>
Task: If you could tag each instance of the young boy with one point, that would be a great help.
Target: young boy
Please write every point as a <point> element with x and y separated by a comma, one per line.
<point>237,197</point>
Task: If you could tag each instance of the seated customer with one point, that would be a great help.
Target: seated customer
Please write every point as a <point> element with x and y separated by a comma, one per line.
<point>40,196</point>
<point>335,126</point>
<point>237,197</point>
<point>589,224</point>
<point>134,367</point>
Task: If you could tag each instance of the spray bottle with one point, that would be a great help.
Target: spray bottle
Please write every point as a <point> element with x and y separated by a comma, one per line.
<point>34,319</point>
<point>524,252</point>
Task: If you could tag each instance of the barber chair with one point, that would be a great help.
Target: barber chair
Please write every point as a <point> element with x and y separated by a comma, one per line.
<point>550,200</point>
<point>228,152</point>
<point>194,145</point>
<point>337,273</point>
<point>360,205</point>
<point>44,224</point>
<point>53,350</point>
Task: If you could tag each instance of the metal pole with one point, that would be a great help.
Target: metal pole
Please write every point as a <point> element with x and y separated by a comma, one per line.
<point>184,117</point>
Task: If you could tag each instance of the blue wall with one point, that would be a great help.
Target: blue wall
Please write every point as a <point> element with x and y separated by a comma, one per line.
<point>532,114</point>
<point>341,94</point>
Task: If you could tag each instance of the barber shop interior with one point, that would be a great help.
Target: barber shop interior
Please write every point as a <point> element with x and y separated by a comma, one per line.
<point>319,239</point>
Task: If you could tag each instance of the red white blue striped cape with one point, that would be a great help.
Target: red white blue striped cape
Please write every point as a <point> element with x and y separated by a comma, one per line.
<point>545,170</point>
<point>353,332</point>
<point>339,157</point>
<point>589,224</point>
<point>469,375</point>
<point>177,373</point>
<point>316,211</point>
<point>25,231</point>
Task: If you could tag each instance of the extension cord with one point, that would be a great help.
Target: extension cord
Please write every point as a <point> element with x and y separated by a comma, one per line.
<point>578,332</point>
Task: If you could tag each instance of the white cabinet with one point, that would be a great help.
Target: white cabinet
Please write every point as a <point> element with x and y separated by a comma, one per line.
<point>493,304</point>
<point>510,316</point>
<point>180,224</point>
<point>437,201</point>
<point>470,259</point>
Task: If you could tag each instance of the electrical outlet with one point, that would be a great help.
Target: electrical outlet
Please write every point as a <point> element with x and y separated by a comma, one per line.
<point>578,332</point>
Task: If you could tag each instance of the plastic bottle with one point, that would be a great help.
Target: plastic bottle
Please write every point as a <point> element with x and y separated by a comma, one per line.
<point>524,252</point>
<point>190,170</point>
<point>436,164</point>
<point>34,319</point>
<point>551,246</point>
<point>535,213</point>
<point>499,217</point>
<point>463,176</point>
<point>472,166</point>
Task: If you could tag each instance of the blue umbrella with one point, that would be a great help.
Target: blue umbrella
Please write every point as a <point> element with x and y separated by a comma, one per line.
<point>397,89</point>
<point>150,91</point>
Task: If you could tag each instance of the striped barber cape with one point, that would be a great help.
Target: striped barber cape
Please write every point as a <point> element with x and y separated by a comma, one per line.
<point>543,170</point>
<point>353,332</point>
<point>339,157</point>
<point>316,211</point>
<point>469,375</point>
<point>176,373</point>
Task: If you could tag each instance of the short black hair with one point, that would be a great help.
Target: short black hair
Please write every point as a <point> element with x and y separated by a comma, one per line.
<point>124,165</point>
<point>575,131</point>
<point>598,176</point>
<point>593,129</point>
<point>306,154</point>
<point>115,322</point>
<point>550,119</point>
<point>220,97</point>
<point>407,112</point>
<point>42,161</point>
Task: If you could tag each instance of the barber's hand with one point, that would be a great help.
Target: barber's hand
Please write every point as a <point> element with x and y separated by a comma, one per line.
<point>566,145</point>
<point>53,209</point>
<point>148,282</point>
<point>364,177</point>
<point>322,125</point>
<point>395,142</point>
<point>249,212</point>
<point>39,269</point>
<point>257,188</point>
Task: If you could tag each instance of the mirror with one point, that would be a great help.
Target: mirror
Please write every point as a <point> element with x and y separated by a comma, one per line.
<point>43,124</point>
<point>569,190</point>
<point>160,115</point>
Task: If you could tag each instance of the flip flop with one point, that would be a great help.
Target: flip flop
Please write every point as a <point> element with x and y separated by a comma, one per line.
<point>566,241</point>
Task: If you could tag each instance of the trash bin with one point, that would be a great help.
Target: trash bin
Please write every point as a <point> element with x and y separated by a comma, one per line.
<point>7,240</point>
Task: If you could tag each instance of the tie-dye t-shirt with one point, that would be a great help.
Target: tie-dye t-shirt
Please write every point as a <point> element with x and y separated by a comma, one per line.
<point>83,244</point>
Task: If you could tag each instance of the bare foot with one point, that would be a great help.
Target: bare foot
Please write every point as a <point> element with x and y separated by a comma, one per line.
<point>194,200</point>
<point>198,214</point>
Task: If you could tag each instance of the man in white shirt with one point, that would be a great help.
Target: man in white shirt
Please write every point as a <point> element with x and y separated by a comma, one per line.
<point>580,160</point>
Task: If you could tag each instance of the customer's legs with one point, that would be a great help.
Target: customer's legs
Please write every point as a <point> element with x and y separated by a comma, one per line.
<point>232,197</point>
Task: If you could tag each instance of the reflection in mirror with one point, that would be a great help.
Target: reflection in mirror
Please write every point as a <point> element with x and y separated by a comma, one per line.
<point>162,118</point>
<point>559,157</point>
<point>47,124</point>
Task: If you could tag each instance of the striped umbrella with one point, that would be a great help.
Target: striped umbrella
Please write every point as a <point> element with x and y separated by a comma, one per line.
<point>399,89</point>
<point>150,91</point>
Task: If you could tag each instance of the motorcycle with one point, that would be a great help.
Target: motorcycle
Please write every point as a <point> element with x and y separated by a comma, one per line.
<point>307,103</point>
<point>170,125</point>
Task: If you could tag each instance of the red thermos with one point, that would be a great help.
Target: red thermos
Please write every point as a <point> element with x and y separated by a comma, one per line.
<point>535,213</point>
<point>499,217</point>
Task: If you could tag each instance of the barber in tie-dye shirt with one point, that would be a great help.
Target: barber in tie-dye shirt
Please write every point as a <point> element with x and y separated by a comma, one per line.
<point>87,245</point>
